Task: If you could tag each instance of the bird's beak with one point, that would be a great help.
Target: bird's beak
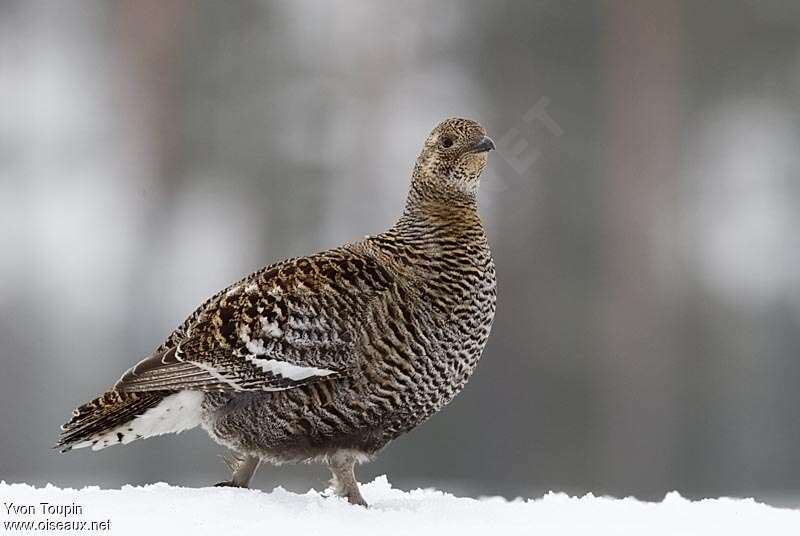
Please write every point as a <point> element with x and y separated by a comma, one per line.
<point>484,145</point>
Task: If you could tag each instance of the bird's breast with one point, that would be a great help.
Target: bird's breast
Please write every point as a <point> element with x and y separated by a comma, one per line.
<point>422,345</point>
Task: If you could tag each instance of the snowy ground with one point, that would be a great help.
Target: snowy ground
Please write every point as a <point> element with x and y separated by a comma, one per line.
<point>162,509</point>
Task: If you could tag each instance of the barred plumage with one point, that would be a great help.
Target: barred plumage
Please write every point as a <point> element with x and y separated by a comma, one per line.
<point>331,356</point>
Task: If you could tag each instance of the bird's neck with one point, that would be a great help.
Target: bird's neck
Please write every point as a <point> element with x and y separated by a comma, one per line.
<point>433,212</point>
<point>435,225</point>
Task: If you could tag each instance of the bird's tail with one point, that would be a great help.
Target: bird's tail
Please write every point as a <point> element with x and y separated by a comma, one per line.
<point>119,417</point>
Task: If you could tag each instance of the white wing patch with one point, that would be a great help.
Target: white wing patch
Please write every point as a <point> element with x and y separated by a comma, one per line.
<point>176,413</point>
<point>288,370</point>
<point>281,368</point>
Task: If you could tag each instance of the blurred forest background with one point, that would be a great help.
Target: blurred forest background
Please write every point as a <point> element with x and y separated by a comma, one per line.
<point>642,207</point>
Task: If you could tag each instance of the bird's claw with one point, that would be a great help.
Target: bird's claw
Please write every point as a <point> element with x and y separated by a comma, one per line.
<point>228,484</point>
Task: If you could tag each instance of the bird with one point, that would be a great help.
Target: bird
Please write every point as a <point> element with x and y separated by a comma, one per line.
<point>327,358</point>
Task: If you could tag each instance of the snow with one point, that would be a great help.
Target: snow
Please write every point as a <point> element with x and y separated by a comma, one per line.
<point>164,509</point>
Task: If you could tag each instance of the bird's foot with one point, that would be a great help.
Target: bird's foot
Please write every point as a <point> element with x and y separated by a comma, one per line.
<point>357,499</point>
<point>344,481</point>
<point>353,497</point>
<point>229,484</point>
<point>347,490</point>
<point>243,467</point>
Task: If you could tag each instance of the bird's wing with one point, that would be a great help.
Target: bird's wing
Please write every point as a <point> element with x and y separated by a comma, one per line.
<point>282,327</point>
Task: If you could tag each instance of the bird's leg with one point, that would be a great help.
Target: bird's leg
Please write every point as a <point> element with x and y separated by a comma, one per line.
<point>243,471</point>
<point>344,481</point>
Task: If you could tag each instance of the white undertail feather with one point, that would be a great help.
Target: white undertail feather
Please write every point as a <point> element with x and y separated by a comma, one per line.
<point>176,413</point>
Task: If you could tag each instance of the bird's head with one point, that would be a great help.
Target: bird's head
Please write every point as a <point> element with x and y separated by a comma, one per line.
<point>453,156</point>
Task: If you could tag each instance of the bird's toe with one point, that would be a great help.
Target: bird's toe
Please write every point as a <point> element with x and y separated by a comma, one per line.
<point>228,484</point>
<point>357,500</point>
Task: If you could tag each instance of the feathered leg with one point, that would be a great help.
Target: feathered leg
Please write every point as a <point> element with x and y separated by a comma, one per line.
<point>344,481</point>
<point>243,471</point>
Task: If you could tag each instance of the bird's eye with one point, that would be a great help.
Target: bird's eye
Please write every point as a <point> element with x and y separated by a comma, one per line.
<point>447,142</point>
